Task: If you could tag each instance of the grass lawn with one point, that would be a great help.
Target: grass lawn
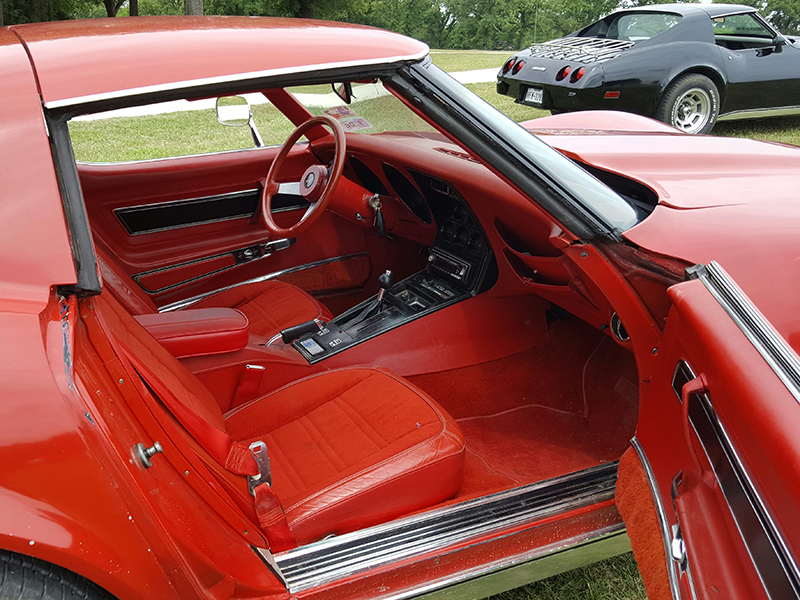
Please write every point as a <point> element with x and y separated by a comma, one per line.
<point>192,132</point>
<point>469,60</point>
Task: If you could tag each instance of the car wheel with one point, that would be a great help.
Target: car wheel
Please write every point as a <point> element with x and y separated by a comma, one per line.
<point>691,104</point>
<point>26,578</point>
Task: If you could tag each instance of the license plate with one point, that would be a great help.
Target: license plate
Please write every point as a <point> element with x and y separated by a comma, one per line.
<point>535,95</point>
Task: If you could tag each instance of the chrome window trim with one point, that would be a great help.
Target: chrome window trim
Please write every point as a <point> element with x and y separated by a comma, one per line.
<point>221,80</point>
<point>772,347</point>
<point>195,299</point>
<point>666,535</point>
<point>344,556</point>
<point>748,490</point>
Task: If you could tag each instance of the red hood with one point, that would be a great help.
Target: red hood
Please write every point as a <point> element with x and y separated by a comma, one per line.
<point>736,201</point>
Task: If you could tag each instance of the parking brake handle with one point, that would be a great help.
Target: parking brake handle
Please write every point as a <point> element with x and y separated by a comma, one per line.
<point>290,334</point>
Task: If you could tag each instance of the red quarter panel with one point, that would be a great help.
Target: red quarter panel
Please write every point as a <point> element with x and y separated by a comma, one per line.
<point>35,251</point>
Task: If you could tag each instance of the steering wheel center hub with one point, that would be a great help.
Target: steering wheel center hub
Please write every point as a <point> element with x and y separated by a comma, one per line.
<point>313,182</point>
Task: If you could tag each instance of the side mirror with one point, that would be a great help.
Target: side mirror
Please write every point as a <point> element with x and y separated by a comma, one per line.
<point>344,91</point>
<point>233,111</point>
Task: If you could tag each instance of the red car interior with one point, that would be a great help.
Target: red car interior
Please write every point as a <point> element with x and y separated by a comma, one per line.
<point>391,451</point>
<point>551,398</point>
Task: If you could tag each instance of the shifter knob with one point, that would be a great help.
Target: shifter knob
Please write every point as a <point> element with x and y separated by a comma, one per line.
<point>386,280</point>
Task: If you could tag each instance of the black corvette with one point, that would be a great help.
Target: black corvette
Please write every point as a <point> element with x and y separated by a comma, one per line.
<point>689,65</point>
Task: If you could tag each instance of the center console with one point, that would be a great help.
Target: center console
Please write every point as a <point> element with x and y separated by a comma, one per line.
<point>460,265</point>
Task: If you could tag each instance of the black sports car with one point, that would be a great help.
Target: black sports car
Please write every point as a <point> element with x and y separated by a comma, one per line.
<point>688,65</point>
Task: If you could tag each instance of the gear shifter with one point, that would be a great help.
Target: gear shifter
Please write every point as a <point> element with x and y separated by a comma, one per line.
<point>385,281</point>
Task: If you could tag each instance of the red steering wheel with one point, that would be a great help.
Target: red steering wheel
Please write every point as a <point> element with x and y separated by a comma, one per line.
<point>317,185</point>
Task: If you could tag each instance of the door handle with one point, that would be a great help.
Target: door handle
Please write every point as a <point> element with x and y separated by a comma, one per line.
<point>698,385</point>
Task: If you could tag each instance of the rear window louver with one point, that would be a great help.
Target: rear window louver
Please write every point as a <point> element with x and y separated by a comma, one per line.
<point>585,50</point>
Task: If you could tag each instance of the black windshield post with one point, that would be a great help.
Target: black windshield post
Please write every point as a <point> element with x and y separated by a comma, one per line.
<point>580,202</point>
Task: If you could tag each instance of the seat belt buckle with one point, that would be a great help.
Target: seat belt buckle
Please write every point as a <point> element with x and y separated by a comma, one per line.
<point>259,451</point>
<point>248,384</point>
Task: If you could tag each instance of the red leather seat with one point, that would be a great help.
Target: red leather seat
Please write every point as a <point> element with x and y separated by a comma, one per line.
<point>270,305</point>
<point>349,448</point>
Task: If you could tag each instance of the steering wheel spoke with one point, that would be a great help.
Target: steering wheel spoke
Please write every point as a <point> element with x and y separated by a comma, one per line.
<point>317,185</point>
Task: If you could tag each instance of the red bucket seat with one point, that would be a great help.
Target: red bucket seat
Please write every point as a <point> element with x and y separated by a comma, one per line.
<point>349,448</point>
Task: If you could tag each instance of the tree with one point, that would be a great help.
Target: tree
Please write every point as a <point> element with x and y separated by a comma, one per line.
<point>193,7</point>
<point>113,6</point>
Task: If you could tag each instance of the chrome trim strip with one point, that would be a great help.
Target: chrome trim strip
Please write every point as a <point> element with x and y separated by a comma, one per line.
<point>760,113</point>
<point>237,262</point>
<point>662,518</point>
<point>772,347</point>
<point>344,556</point>
<point>522,569</point>
<point>769,553</point>
<point>195,299</point>
<point>223,79</point>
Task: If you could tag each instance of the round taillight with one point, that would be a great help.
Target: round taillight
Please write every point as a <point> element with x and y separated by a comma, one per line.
<point>562,73</point>
<point>577,75</point>
<point>518,66</point>
<point>508,65</point>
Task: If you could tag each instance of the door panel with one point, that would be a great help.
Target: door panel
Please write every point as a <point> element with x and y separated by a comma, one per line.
<point>718,427</point>
<point>185,226</point>
<point>762,78</point>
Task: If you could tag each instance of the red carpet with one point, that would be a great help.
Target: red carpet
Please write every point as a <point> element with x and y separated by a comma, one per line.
<point>568,404</point>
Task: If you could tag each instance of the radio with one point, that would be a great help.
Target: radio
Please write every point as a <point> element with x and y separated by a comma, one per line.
<point>449,265</point>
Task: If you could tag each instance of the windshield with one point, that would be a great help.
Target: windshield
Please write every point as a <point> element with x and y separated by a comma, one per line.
<point>562,187</point>
<point>632,27</point>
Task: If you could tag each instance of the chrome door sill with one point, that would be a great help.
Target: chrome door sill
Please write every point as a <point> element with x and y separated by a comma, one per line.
<point>340,557</point>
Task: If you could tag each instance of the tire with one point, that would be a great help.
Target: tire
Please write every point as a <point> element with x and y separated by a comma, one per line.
<point>26,578</point>
<point>691,104</point>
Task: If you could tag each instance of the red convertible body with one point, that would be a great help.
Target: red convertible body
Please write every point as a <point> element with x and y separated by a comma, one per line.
<point>587,328</point>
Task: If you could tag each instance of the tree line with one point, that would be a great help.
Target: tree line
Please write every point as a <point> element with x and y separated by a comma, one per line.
<point>478,24</point>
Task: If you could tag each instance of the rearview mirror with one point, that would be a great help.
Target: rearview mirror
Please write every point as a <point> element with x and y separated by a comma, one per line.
<point>233,111</point>
<point>344,91</point>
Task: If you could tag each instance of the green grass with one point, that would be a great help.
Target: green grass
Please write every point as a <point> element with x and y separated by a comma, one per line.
<point>469,60</point>
<point>613,579</point>
<point>518,112</point>
<point>779,129</point>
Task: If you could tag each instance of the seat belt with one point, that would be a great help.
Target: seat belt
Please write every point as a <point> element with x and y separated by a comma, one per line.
<point>234,456</point>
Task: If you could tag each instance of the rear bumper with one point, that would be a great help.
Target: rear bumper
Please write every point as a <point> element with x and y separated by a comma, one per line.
<point>638,99</point>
